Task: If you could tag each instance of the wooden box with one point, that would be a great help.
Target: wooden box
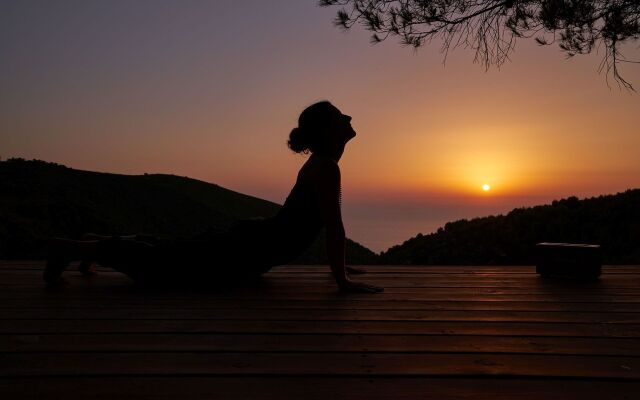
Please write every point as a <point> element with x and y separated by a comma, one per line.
<point>568,260</point>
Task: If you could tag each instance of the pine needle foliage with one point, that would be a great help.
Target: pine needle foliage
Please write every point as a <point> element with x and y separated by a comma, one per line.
<point>491,27</point>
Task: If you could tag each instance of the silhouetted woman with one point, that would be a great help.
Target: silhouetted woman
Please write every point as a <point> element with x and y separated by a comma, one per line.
<point>251,247</point>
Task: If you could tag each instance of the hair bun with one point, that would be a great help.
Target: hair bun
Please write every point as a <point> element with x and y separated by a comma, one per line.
<point>313,124</point>
<point>296,141</point>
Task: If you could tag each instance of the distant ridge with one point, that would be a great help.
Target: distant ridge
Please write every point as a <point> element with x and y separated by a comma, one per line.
<point>612,221</point>
<point>40,199</point>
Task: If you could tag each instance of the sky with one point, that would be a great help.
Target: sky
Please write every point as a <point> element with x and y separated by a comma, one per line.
<point>211,90</point>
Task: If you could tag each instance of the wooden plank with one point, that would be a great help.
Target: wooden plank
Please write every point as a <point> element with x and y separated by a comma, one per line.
<point>140,313</point>
<point>40,263</point>
<point>604,281</point>
<point>319,327</point>
<point>453,322</point>
<point>340,364</point>
<point>17,297</point>
<point>315,388</point>
<point>447,270</point>
<point>196,342</point>
<point>122,285</point>
<point>633,295</point>
<point>149,302</point>
<point>381,269</point>
<point>280,289</point>
<point>34,279</point>
<point>399,286</point>
<point>325,272</point>
<point>77,287</point>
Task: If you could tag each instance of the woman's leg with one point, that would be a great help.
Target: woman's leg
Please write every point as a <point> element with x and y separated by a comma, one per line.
<point>64,251</point>
<point>86,266</point>
<point>221,257</point>
<point>133,258</point>
<point>136,259</point>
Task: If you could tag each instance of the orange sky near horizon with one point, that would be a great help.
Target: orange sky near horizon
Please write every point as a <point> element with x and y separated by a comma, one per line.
<point>159,87</point>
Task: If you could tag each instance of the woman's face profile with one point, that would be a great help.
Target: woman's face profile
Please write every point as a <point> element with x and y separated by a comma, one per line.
<point>341,129</point>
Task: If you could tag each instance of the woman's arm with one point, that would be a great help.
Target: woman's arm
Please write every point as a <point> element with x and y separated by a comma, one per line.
<point>328,187</point>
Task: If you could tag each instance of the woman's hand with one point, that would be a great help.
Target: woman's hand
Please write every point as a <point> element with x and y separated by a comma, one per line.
<point>349,286</point>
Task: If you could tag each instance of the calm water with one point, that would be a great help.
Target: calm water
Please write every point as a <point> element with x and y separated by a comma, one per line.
<point>380,226</point>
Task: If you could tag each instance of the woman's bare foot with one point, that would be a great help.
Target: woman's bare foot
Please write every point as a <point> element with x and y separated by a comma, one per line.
<point>87,267</point>
<point>355,271</point>
<point>58,260</point>
<point>64,251</point>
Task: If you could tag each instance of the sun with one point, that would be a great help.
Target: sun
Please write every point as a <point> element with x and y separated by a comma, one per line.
<point>486,187</point>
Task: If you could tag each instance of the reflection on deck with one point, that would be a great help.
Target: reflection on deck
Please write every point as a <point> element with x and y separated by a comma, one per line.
<point>436,332</point>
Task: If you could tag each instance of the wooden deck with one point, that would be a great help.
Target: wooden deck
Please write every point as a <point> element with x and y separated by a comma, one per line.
<point>436,332</point>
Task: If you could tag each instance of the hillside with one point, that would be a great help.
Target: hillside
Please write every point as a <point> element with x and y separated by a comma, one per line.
<point>39,200</point>
<point>613,221</point>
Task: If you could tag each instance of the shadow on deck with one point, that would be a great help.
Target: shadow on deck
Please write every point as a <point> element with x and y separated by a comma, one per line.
<point>436,332</point>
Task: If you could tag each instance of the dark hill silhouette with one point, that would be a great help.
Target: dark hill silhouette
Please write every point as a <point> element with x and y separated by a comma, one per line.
<point>39,200</point>
<point>612,221</point>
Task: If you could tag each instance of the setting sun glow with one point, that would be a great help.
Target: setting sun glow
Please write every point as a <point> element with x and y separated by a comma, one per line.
<point>179,97</point>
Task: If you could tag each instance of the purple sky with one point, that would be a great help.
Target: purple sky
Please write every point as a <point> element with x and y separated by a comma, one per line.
<point>211,89</point>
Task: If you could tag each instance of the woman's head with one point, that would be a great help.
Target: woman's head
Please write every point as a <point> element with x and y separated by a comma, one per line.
<point>321,127</point>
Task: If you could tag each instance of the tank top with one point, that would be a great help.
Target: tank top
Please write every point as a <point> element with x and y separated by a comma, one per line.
<point>282,238</point>
<point>297,224</point>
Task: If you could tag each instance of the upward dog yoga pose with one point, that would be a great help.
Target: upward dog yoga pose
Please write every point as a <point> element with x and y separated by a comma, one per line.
<point>249,248</point>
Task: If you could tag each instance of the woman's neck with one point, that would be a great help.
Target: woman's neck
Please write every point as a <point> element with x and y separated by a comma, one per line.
<point>335,154</point>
